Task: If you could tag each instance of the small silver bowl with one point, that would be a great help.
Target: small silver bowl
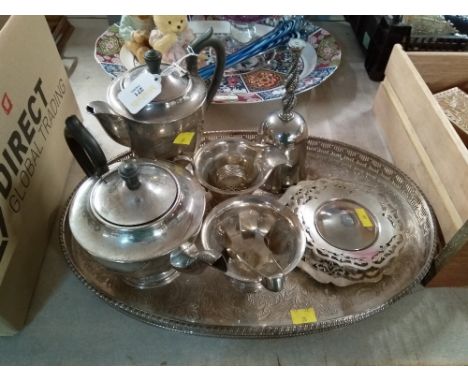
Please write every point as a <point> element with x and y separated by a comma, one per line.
<point>235,166</point>
<point>261,240</point>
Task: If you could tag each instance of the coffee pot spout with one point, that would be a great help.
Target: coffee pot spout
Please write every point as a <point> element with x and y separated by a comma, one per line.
<point>113,124</point>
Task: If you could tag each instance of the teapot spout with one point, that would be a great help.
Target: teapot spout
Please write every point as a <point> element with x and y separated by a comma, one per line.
<point>113,124</point>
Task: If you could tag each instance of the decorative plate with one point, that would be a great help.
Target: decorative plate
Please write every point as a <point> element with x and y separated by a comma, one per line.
<point>352,225</point>
<point>328,272</point>
<point>353,231</point>
<point>258,79</point>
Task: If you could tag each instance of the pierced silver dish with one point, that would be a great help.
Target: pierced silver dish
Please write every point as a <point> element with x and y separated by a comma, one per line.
<point>328,272</point>
<point>354,226</point>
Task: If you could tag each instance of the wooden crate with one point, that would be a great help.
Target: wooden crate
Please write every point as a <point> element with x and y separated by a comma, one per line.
<point>425,145</point>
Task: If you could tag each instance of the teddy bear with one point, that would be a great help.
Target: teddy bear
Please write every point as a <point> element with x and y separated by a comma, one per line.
<point>135,31</point>
<point>171,37</point>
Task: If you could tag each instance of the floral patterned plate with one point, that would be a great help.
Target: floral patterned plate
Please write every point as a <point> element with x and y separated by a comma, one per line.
<point>258,80</point>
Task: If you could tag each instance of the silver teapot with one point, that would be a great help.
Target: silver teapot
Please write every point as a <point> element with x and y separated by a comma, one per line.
<point>179,108</point>
<point>137,217</point>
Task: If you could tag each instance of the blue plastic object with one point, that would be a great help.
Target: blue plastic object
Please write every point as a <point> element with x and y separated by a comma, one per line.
<point>281,34</point>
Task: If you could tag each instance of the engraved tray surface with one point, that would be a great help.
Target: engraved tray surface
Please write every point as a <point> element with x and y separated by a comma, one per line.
<point>208,304</point>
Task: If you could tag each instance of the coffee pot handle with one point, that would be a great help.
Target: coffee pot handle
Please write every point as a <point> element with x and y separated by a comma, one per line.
<point>204,41</point>
<point>85,148</point>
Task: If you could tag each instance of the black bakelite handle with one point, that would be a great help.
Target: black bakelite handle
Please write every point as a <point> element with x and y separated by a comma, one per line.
<point>204,41</point>
<point>85,148</point>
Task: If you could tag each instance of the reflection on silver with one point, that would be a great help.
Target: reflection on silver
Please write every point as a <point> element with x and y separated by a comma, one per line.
<point>338,223</point>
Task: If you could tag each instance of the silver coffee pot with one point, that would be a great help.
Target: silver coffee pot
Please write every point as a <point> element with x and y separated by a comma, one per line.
<point>170,125</point>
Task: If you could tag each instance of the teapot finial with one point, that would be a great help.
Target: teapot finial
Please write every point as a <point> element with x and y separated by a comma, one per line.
<point>153,60</point>
<point>128,171</point>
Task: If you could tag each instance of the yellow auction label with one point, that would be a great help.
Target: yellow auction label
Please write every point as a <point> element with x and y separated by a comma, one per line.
<point>184,138</point>
<point>365,220</point>
<point>303,316</point>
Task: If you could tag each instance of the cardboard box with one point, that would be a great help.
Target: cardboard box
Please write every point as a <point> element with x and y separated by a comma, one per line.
<point>35,99</point>
<point>425,145</point>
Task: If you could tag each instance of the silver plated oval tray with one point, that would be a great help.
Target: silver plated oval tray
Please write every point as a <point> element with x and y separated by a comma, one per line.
<point>208,304</point>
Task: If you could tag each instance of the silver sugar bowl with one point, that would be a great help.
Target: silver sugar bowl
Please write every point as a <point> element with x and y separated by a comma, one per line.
<point>234,166</point>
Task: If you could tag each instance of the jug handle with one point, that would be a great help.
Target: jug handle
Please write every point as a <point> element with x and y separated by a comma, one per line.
<point>85,148</point>
<point>203,41</point>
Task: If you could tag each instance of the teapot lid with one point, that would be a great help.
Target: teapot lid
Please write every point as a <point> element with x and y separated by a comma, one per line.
<point>174,84</point>
<point>181,94</point>
<point>134,194</point>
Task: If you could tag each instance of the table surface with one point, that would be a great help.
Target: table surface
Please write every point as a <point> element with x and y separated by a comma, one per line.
<point>69,325</point>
